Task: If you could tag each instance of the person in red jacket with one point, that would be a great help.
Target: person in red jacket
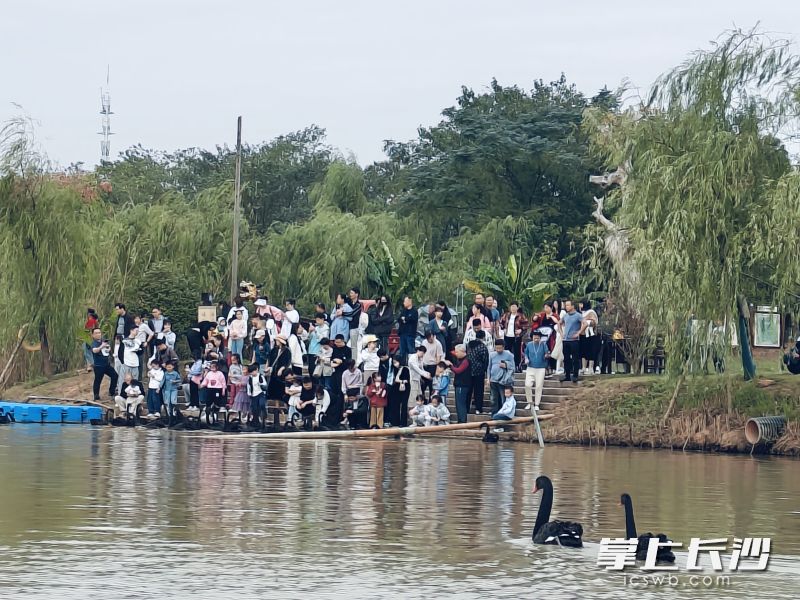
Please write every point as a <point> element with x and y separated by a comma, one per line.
<point>376,393</point>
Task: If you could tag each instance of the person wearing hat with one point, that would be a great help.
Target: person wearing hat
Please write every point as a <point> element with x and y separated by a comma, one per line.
<point>368,357</point>
<point>536,356</point>
<point>501,372</point>
<point>261,350</point>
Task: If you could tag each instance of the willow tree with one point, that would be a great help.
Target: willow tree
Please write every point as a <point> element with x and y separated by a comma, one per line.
<point>709,196</point>
<point>49,241</point>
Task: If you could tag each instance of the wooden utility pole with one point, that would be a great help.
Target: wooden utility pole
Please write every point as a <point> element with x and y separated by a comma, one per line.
<point>237,209</point>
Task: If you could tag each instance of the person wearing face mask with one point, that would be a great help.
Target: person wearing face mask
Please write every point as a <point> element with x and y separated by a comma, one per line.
<point>381,318</point>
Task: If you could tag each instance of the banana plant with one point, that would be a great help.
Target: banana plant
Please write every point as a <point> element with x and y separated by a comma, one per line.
<point>527,282</point>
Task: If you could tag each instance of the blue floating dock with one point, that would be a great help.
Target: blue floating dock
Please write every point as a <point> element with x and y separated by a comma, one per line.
<point>51,413</point>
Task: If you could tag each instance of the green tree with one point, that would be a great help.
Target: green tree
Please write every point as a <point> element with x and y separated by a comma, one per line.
<point>710,197</point>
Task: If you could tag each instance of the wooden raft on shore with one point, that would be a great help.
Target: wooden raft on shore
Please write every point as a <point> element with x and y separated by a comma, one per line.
<point>373,433</point>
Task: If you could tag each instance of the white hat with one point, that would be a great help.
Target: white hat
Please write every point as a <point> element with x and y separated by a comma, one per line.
<point>370,337</point>
<point>260,333</point>
<point>260,302</point>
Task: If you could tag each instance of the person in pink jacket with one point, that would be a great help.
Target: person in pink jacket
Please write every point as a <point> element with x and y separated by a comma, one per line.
<point>215,384</point>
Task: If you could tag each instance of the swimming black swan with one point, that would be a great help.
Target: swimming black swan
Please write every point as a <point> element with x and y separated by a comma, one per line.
<point>488,436</point>
<point>563,533</point>
<point>664,554</point>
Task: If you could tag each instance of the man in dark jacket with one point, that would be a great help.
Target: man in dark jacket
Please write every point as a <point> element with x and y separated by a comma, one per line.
<point>407,328</point>
<point>478,356</point>
<point>124,321</point>
<point>354,318</point>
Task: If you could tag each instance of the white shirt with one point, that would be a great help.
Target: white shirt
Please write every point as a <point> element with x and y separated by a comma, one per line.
<point>129,356</point>
<point>510,327</point>
<point>245,315</point>
<point>156,377</point>
<point>255,386</point>
<point>296,350</point>
<point>290,317</point>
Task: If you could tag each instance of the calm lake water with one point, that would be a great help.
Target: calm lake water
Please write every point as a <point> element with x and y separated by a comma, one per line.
<point>121,513</point>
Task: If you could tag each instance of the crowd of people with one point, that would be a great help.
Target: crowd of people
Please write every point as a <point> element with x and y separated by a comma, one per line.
<point>361,364</point>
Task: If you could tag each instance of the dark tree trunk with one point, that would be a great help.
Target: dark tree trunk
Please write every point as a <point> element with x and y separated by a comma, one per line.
<point>47,364</point>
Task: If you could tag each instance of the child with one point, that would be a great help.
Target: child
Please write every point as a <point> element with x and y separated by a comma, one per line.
<point>129,398</point>
<point>256,392</point>
<point>441,380</point>
<point>509,408</point>
<point>237,331</point>
<point>376,392</point>
<point>155,376</point>
<point>317,332</point>
<point>322,400</point>
<point>437,412</point>
<point>292,395</point>
<point>214,385</point>
<point>170,383</point>
<point>418,413</point>
<point>369,357</point>
<point>235,374</point>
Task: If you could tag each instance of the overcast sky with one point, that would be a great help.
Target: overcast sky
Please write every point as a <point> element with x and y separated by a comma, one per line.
<point>182,70</point>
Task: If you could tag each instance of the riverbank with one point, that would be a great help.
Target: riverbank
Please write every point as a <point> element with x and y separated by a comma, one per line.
<point>621,410</point>
<point>709,413</point>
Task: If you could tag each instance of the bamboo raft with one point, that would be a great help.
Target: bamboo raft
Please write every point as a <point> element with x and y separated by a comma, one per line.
<point>377,433</point>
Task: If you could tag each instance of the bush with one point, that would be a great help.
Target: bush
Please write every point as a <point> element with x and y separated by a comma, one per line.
<point>176,294</point>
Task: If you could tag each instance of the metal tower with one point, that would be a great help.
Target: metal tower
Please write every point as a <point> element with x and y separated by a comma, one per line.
<point>105,120</point>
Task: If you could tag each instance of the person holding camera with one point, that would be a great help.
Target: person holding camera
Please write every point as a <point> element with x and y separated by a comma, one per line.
<point>101,350</point>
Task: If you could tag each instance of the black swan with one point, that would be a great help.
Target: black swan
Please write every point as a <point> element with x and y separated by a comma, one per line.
<point>562,533</point>
<point>664,554</point>
<point>489,437</point>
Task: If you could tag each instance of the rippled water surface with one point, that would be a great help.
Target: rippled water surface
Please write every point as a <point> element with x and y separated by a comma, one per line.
<point>121,513</point>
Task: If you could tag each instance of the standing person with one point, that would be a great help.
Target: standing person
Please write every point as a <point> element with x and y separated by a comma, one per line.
<point>169,388</point>
<point>237,331</point>
<point>547,322</point>
<point>280,363</point>
<point>214,383</point>
<point>438,327</point>
<point>195,378</point>
<point>536,356</point>
<point>450,321</point>
<point>513,326</point>
<point>399,391</point>
<point>376,393</point>
<point>340,324</point>
<point>101,350</point>
<point>381,319</point>
<point>238,304</point>
<point>290,316</point>
<point>572,326</point>
<point>92,321</point>
<point>164,353</point>
<point>124,322</point>
<point>340,354</point>
<point>317,332</point>
<point>195,339</point>
<point>323,370</point>
<point>590,339</point>
<point>261,350</point>
<point>557,351</point>
<point>417,371</point>
<point>235,377</point>
<point>407,328</point>
<point>143,334</point>
<point>354,319</point>
<point>479,320</point>
<point>424,315</point>
<point>129,355</point>
<point>434,354</point>
<point>155,375</point>
<point>256,393</point>
<point>501,372</point>
<point>156,325</point>
<point>169,335</point>
<point>478,356</point>
<point>368,358</point>
<point>463,381</point>
<point>296,348</point>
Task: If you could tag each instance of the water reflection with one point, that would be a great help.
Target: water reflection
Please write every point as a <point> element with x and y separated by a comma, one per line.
<point>148,513</point>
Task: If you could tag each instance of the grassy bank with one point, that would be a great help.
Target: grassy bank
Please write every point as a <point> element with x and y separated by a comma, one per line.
<point>709,412</point>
